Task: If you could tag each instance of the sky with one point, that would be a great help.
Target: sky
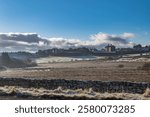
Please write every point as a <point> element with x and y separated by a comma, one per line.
<point>41,24</point>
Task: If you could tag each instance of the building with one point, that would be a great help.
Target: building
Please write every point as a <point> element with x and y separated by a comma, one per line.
<point>110,48</point>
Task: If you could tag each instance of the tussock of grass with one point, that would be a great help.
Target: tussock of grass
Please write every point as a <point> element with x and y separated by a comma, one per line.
<point>58,90</point>
<point>147,93</point>
<point>91,92</point>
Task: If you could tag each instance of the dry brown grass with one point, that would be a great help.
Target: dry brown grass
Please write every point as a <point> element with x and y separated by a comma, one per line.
<point>146,66</point>
<point>147,92</point>
<point>85,70</point>
<point>60,93</point>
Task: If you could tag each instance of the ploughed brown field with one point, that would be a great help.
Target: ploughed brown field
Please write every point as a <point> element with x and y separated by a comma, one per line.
<point>84,70</point>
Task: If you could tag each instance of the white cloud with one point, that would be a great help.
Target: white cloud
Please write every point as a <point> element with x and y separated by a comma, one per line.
<point>128,35</point>
<point>34,42</point>
<point>118,40</point>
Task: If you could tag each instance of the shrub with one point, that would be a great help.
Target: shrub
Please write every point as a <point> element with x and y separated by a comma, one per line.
<point>120,65</point>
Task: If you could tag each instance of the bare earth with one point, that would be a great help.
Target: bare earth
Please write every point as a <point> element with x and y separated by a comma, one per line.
<point>84,70</point>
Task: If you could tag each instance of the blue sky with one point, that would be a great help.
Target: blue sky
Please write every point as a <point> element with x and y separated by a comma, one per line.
<point>77,19</point>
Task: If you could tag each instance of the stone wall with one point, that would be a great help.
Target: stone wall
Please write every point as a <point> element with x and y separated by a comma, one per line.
<point>99,86</point>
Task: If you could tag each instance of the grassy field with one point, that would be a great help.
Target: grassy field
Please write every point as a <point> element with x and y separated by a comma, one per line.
<point>85,70</point>
<point>103,70</point>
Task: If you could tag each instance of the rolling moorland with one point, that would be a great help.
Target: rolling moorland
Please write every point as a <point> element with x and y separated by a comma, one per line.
<point>132,71</point>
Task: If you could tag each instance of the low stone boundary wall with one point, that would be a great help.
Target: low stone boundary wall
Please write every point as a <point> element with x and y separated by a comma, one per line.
<point>99,86</point>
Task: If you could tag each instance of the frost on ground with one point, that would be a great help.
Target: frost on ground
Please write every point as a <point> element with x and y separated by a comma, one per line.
<point>59,93</point>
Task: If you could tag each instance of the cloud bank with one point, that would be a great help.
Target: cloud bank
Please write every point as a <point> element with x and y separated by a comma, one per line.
<point>121,40</point>
<point>33,42</point>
